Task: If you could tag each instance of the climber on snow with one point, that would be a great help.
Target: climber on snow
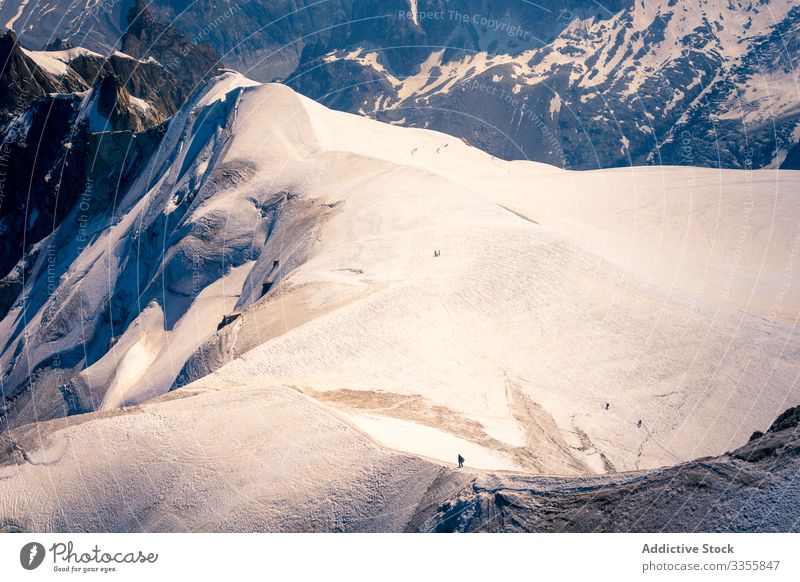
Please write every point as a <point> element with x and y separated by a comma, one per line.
<point>460,462</point>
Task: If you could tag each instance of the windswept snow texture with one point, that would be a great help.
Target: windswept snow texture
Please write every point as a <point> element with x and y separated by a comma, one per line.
<point>236,460</point>
<point>275,242</point>
<point>517,335</point>
<point>270,279</point>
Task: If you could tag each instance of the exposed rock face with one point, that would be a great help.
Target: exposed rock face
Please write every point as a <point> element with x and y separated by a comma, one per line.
<point>146,38</point>
<point>22,81</point>
<point>786,421</point>
<point>48,150</point>
<point>53,105</point>
<point>107,174</point>
<point>571,83</point>
<point>147,80</point>
<point>114,104</point>
<point>58,44</point>
<point>754,488</point>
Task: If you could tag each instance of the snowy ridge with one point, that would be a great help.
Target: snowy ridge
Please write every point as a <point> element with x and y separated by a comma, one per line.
<point>275,262</point>
<point>273,242</point>
<point>57,62</point>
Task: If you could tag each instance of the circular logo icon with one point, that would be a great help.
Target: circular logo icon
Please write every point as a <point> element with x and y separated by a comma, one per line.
<point>31,555</point>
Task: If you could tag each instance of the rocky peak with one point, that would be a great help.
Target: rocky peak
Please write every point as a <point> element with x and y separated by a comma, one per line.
<point>22,81</point>
<point>114,103</point>
<point>58,44</point>
<point>146,38</point>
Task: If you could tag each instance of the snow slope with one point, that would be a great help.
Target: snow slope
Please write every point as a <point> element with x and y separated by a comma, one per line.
<point>519,332</point>
<point>211,461</point>
<point>729,237</point>
<point>57,62</point>
<point>272,460</point>
<point>754,488</point>
<point>666,293</point>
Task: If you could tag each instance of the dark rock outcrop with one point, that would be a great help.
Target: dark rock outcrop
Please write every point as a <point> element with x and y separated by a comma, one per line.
<point>146,37</point>
<point>49,125</point>
<point>22,81</point>
<point>49,152</point>
<point>786,421</point>
<point>754,488</point>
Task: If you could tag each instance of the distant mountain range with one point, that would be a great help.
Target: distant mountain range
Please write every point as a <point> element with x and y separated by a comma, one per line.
<point>574,84</point>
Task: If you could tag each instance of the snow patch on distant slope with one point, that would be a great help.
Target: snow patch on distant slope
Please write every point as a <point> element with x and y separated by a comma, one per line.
<point>20,10</point>
<point>414,11</point>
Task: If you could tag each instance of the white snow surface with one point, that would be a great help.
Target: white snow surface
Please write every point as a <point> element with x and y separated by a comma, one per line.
<point>658,290</point>
<point>670,293</point>
<point>48,61</point>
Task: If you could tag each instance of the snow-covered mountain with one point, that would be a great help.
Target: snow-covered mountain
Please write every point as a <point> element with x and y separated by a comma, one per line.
<point>273,242</point>
<point>269,38</point>
<point>709,83</point>
<point>75,125</point>
<point>575,84</point>
<point>243,310</point>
